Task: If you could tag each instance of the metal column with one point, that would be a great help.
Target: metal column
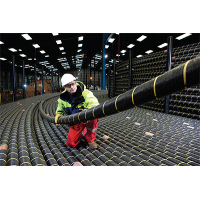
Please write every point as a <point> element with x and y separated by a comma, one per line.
<point>103,62</point>
<point>94,73</point>
<point>24,88</point>
<point>52,79</point>
<point>108,81</point>
<point>90,73</point>
<point>35,79</point>
<point>169,62</point>
<point>14,84</point>
<point>114,77</point>
<point>130,70</point>
<point>42,80</point>
<point>58,81</point>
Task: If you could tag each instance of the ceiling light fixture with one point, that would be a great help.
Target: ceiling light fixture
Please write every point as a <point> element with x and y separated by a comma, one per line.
<point>111,40</point>
<point>58,41</point>
<point>61,48</point>
<point>162,45</point>
<point>55,34</point>
<point>80,45</point>
<point>36,46</point>
<point>183,36</point>
<point>139,56</point>
<point>47,56</point>
<point>149,51</point>
<point>12,49</point>
<point>22,55</point>
<point>1,42</point>
<point>123,51</point>
<point>106,46</point>
<point>130,46</point>
<point>80,38</point>
<point>42,52</point>
<point>141,38</point>
<point>3,58</point>
<point>26,36</point>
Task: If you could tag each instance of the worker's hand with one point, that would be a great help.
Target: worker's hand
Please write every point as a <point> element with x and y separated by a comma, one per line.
<point>80,109</point>
<point>56,118</point>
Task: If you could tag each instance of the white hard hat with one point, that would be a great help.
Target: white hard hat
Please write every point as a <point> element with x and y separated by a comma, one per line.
<point>67,78</point>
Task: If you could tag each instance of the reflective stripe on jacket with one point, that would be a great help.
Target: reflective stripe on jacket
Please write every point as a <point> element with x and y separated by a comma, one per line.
<point>82,98</point>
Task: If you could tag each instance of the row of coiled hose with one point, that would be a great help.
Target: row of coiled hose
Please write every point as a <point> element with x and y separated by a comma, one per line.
<point>136,137</point>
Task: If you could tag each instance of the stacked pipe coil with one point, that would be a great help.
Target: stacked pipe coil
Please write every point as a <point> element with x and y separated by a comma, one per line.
<point>184,103</point>
<point>135,137</point>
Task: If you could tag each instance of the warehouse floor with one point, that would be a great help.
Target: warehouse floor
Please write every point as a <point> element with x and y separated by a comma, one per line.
<point>135,137</point>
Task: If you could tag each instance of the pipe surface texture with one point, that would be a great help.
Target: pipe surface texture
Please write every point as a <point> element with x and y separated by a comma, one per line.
<point>183,76</point>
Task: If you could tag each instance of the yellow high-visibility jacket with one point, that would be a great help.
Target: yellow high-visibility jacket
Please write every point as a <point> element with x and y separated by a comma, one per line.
<point>72,103</point>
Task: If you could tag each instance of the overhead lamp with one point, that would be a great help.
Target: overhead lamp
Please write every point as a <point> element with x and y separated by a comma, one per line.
<point>42,52</point>
<point>183,36</point>
<point>61,48</point>
<point>162,45</point>
<point>106,56</point>
<point>130,46</point>
<point>36,45</point>
<point>80,38</point>
<point>141,38</point>
<point>139,56</point>
<point>123,51</point>
<point>3,58</point>
<point>117,55</point>
<point>30,59</point>
<point>12,49</point>
<point>106,46</point>
<point>26,36</point>
<point>47,56</point>
<point>149,51</point>
<point>22,55</point>
<point>58,41</point>
<point>1,42</point>
<point>79,50</point>
<point>80,45</point>
<point>111,40</point>
<point>63,52</point>
<point>55,34</point>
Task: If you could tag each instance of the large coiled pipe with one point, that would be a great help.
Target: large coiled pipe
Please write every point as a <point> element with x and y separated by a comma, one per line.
<point>179,78</point>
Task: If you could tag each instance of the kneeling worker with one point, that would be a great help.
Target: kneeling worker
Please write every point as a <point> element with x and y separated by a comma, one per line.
<point>76,98</point>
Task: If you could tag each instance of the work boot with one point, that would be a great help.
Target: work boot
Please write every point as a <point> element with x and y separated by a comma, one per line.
<point>92,145</point>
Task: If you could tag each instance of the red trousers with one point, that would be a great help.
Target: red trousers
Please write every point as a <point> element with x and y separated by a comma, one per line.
<point>77,131</point>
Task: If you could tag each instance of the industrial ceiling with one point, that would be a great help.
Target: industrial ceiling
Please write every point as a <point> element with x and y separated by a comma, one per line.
<point>68,51</point>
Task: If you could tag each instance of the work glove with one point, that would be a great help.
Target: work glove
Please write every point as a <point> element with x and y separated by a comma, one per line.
<point>56,117</point>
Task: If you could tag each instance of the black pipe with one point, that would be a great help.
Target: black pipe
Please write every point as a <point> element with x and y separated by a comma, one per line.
<point>130,70</point>
<point>24,89</point>
<point>169,62</point>
<point>183,76</point>
<point>35,79</point>
<point>14,84</point>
